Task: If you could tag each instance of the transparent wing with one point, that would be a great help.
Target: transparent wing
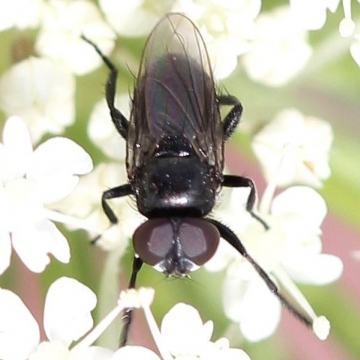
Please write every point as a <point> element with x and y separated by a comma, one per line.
<point>174,105</point>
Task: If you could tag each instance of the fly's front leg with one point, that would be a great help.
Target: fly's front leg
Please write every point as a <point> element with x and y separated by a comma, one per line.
<point>232,119</point>
<point>128,313</point>
<point>228,235</point>
<point>119,120</point>
<point>240,181</point>
<point>113,193</point>
<point>117,192</point>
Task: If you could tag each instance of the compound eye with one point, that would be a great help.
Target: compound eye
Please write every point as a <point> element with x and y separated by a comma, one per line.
<point>153,240</point>
<point>199,239</point>
<point>194,239</point>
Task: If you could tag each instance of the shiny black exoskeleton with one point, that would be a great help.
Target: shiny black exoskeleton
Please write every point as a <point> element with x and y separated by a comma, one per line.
<point>175,154</point>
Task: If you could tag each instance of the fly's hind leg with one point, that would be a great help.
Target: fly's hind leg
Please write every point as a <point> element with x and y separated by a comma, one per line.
<point>119,120</point>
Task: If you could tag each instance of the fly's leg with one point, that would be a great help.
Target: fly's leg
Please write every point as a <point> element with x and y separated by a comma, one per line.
<point>230,122</point>
<point>232,119</point>
<point>119,120</point>
<point>119,191</point>
<point>116,192</point>
<point>122,125</point>
<point>227,234</point>
<point>127,314</point>
<point>240,181</point>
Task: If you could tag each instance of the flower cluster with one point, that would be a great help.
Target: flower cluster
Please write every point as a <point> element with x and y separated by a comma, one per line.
<point>31,180</point>
<point>292,149</point>
<point>67,318</point>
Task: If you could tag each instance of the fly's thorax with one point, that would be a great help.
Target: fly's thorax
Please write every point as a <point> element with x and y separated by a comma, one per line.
<point>175,186</point>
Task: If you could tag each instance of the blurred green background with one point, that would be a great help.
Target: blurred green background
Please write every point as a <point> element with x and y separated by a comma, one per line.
<point>329,88</point>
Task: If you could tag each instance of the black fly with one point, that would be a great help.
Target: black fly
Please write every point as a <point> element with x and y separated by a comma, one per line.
<point>175,155</point>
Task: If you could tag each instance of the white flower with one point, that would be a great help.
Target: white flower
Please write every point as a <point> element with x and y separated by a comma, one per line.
<point>189,338</point>
<point>85,203</point>
<point>134,352</point>
<point>136,17</point>
<point>41,91</point>
<point>355,50</point>
<point>301,211</point>
<point>130,298</point>
<point>29,182</point>
<point>311,14</point>
<point>102,132</point>
<point>20,13</point>
<point>60,36</point>
<point>347,28</point>
<point>294,149</point>
<point>279,50</point>
<point>249,303</point>
<point>292,240</point>
<point>226,26</point>
<point>66,318</point>
<point>347,25</point>
<point>19,332</point>
<point>184,336</point>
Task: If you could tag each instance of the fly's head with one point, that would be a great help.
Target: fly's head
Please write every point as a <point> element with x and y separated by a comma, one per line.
<point>176,246</point>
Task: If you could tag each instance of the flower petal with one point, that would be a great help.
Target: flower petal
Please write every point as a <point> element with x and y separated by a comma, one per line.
<point>59,38</point>
<point>134,352</point>
<point>231,354</point>
<point>282,42</point>
<point>133,18</point>
<point>19,333</point>
<point>41,91</point>
<point>54,164</point>
<point>67,310</point>
<point>91,353</point>
<point>253,306</point>
<point>56,186</point>
<point>102,132</point>
<point>311,14</point>
<point>33,244</point>
<point>53,350</point>
<point>355,51</point>
<point>319,270</point>
<point>302,201</point>
<point>28,17</point>
<point>294,148</point>
<point>223,256</point>
<point>189,335</point>
<point>16,139</point>
<point>60,154</point>
<point>5,249</point>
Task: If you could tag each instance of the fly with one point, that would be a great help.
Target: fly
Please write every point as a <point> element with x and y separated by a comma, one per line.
<point>175,156</point>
